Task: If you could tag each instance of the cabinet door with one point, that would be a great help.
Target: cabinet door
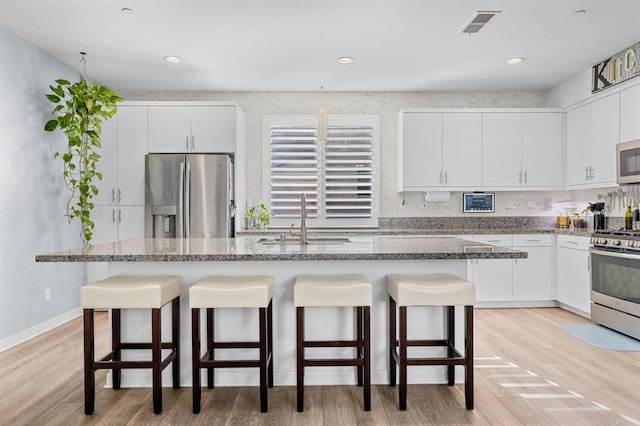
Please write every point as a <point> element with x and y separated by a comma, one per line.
<point>213,129</point>
<point>108,164</point>
<point>493,280</point>
<point>132,147</point>
<point>502,149</point>
<point>578,144</point>
<point>629,113</point>
<point>542,148</point>
<point>532,276</point>
<point>421,158</point>
<point>462,149</point>
<point>169,129</point>
<point>130,222</point>
<point>605,134</point>
<point>573,284</point>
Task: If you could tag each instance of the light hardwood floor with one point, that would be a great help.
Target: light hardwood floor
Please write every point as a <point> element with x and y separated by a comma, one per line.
<point>527,372</point>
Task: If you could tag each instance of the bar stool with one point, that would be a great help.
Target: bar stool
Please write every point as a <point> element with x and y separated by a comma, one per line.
<point>431,290</point>
<point>232,292</point>
<point>131,292</point>
<point>347,290</point>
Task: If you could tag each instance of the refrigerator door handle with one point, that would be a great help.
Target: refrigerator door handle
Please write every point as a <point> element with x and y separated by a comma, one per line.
<point>180,224</point>
<point>187,208</point>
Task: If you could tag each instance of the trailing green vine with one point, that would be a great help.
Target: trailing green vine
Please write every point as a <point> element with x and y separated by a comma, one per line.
<point>80,110</point>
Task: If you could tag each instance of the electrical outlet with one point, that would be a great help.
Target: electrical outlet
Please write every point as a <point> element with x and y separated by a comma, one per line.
<point>47,294</point>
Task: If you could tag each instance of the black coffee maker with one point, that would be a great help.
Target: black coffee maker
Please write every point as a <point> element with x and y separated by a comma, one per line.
<point>598,215</point>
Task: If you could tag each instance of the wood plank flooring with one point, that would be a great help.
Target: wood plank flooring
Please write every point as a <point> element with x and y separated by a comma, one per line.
<point>527,372</point>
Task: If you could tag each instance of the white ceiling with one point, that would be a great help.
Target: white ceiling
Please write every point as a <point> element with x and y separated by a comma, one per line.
<point>278,45</point>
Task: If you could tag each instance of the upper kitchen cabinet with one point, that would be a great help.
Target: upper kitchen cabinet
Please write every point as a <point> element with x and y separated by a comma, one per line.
<point>192,128</point>
<point>124,144</point>
<point>517,148</point>
<point>419,150</point>
<point>462,149</point>
<point>629,113</point>
<point>593,130</point>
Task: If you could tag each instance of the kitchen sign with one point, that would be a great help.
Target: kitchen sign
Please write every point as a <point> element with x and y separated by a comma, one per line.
<point>620,67</point>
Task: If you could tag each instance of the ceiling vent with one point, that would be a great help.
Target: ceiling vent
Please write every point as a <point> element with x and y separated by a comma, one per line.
<point>478,21</point>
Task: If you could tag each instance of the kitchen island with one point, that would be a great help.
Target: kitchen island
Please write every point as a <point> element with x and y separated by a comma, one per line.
<point>373,256</point>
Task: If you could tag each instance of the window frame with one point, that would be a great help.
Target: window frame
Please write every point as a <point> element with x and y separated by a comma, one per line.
<point>321,221</point>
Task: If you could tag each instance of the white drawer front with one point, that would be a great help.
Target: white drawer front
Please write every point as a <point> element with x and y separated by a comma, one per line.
<point>496,240</point>
<point>574,242</point>
<point>532,240</point>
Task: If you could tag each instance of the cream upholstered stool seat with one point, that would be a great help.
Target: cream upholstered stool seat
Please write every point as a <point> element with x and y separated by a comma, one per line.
<point>430,290</point>
<point>131,292</point>
<point>218,291</point>
<point>345,290</point>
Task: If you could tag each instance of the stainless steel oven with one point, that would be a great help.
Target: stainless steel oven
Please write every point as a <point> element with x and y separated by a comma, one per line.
<point>615,280</point>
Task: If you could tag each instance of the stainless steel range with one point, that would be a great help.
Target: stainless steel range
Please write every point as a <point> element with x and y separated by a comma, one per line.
<point>615,280</point>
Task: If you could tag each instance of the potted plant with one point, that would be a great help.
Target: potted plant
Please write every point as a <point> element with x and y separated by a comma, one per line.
<point>80,110</point>
<point>264,216</point>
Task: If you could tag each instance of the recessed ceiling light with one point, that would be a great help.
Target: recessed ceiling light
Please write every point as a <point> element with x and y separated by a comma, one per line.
<point>346,59</point>
<point>126,10</point>
<point>514,61</point>
<point>580,12</point>
<point>172,59</point>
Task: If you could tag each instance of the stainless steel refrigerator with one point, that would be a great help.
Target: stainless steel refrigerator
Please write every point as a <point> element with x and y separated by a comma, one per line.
<point>189,196</point>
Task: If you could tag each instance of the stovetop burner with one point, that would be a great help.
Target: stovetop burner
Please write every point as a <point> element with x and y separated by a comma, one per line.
<point>627,240</point>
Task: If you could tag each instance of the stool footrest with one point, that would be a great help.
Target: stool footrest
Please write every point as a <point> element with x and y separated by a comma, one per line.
<point>144,345</point>
<point>236,345</point>
<point>230,363</point>
<point>109,365</point>
<point>328,362</point>
<point>331,343</point>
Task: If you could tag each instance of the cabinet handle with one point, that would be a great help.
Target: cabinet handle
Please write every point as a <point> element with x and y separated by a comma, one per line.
<point>186,143</point>
<point>532,241</point>
<point>119,215</point>
<point>119,198</point>
<point>113,195</point>
<point>592,176</point>
<point>572,242</point>
<point>525,177</point>
<point>586,173</point>
<point>113,215</point>
<point>193,143</point>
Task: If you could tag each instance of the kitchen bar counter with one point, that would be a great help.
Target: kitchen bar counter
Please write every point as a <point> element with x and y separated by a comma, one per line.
<point>250,249</point>
<point>373,256</point>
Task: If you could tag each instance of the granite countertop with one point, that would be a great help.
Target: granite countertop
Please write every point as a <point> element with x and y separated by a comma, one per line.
<point>250,249</point>
<point>275,232</point>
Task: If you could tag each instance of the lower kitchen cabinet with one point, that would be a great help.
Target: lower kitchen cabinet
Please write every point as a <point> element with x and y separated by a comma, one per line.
<point>573,281</point>
<point>519,280</point>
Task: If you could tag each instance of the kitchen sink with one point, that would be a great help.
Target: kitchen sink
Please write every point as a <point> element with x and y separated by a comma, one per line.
<point>310,240</point>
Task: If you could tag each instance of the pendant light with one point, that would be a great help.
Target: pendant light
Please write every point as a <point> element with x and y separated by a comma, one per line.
<point>322,119</point>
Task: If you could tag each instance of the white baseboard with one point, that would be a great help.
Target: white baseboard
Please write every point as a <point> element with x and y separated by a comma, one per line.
<point>38,329</point>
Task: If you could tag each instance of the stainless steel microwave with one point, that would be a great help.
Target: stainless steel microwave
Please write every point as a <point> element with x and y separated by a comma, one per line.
<point>628,162</point>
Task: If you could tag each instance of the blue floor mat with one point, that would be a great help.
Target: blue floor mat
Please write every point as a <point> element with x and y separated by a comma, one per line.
<point>603,337</point>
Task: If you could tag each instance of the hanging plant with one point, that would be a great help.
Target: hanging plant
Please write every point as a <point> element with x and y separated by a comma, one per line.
<point>80,110</point>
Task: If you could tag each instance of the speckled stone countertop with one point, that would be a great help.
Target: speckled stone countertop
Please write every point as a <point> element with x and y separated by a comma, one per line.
<point>250,249</point>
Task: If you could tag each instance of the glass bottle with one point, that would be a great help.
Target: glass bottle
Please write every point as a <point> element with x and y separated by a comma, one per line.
<point>628,219</point>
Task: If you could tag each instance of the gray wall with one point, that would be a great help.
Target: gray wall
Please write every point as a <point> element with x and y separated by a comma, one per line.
<point>32,194</point>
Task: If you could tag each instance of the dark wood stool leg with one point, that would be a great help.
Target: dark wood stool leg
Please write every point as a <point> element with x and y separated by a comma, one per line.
<point>451,342</point>
<point>263,360</point>
<point>156,359</point>
<point>270,343</point>
<point>89,376</point>
<point>210,349</point>
<point>300,358</point>
<point>359,343</point>
<point>392,341</point>
<point>175,340</point>
<point>116,340</point>
<point>403,358</point>
<point>195,359</point>
<point>468,353</point>
<point>367,358</point>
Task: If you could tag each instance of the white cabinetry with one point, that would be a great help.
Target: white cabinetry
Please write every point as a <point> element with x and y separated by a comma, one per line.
<point>541,148</point>
<point>629,113</point>
<point>573,281</point>
<point>502,149</point>
<point>532,280</point>
<point>437,149</point>
<point>197,128</point>
<point>515,282</point>
<point>592,134</point>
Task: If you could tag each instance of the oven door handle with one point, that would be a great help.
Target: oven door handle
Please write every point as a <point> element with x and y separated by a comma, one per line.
<point>614,254</point>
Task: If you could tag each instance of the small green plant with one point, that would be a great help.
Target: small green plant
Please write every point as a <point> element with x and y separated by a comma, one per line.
<point>80,111</point>
<point>264,215</point>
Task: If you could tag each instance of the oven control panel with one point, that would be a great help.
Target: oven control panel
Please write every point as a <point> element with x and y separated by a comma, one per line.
<point>617,241</point>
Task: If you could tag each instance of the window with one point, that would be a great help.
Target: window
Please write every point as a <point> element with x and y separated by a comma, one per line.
<point>337,176</point>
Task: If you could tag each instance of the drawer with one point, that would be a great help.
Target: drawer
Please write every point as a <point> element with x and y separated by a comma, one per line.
<point>573,242</point>
<point>532,240</point>
<point>495,239</point>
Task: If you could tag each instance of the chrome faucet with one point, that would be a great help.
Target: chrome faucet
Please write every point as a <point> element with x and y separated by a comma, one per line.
<point>303,219</point>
